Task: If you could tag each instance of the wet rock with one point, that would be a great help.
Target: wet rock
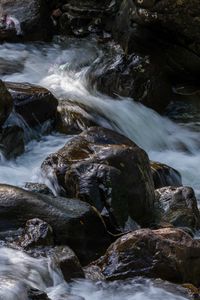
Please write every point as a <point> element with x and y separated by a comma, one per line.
<point>138,76</point>
<point>6,103</point>
<point>74,222</point>
<point>35,294</point>
<point>25,20</point>
<point>93,273</point>
<point>7,136</point>
<point>38,188</point>
<point>82,17</point>
<point>164,175</point>
<point>64,258</point>
<point>169,254</point>
<point>34,103</point>
<point>106,169</point>
<point>36,233</point>
<point>73,118</point>
<point>178,206</point>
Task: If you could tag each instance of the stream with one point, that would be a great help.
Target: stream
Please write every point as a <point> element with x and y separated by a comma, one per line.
<point>62,67</point>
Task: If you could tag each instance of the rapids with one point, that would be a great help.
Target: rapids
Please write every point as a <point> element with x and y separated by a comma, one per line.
<point>62,67</point>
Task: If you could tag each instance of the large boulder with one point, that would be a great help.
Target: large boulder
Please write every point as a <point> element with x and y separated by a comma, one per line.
<point>164,175</point>
<point>169,254</point>
<point>178,206</point>
<point>74,223</point>
<point>6,103</point>
<point>107,170</point>
<point>24,19</point>
<point>34,103</point>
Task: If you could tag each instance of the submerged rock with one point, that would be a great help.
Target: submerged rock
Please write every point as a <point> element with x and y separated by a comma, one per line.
<point>34,103</point>
<point>164,175</point>
<point>7,147</point>
<point>169,254</point>
<point>106,169</point>
<point>74,222</point>
<point>6,103</point>
<point>178,206</point>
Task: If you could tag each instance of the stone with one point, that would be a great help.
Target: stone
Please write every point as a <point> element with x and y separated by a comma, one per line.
<point>38,188</point>
<point>106,169</point>
<point>178,206</point>
<point>74,222</point>
<point>6,103</point>
<point>72,118</point>
<point>34,103</point>
<point>7,136</point>
<point>164,175</point>
<point>169,254</point>
<point>25,20</point>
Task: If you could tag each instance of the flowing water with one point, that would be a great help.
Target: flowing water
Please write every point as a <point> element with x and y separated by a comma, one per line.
<point>62,67</point>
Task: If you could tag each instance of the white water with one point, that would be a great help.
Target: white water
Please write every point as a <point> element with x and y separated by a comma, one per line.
<point>18,271</point>
<point>63,70</point>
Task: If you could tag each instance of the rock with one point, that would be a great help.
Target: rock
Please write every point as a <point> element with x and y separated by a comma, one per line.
<point>106,169</point>
<point>73,118</point>
<point>38,188</point>
<point>34,294</point>
<point>93,273</point>
<point>169,254</point>
<point>178,206</point>
<point>82,17</point>
<point>74,222</point>
<point>36,233</point>
<point>25,20</point>
<point>7,136</point>
<point>6,103</point>
<point>138,76</point>
<point>164,175</point>
<point>67,261</point>
<point>34,103</point>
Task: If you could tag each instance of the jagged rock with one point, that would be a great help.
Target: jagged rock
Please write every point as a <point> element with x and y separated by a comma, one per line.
<point>106,169</point>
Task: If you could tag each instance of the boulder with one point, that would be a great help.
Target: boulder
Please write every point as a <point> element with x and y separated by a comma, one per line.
<point>34,103</point>
<point>74,222</point>
<point>6,103</point>
<point>7,136</point>
<point>169,254</point>
<point>106,169</point>
<point>25,20</point>
<point>178,206</point>
<point>35,294</point>
<point>139,76</point>
<point>72,118</point>
<point>164,175</point>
